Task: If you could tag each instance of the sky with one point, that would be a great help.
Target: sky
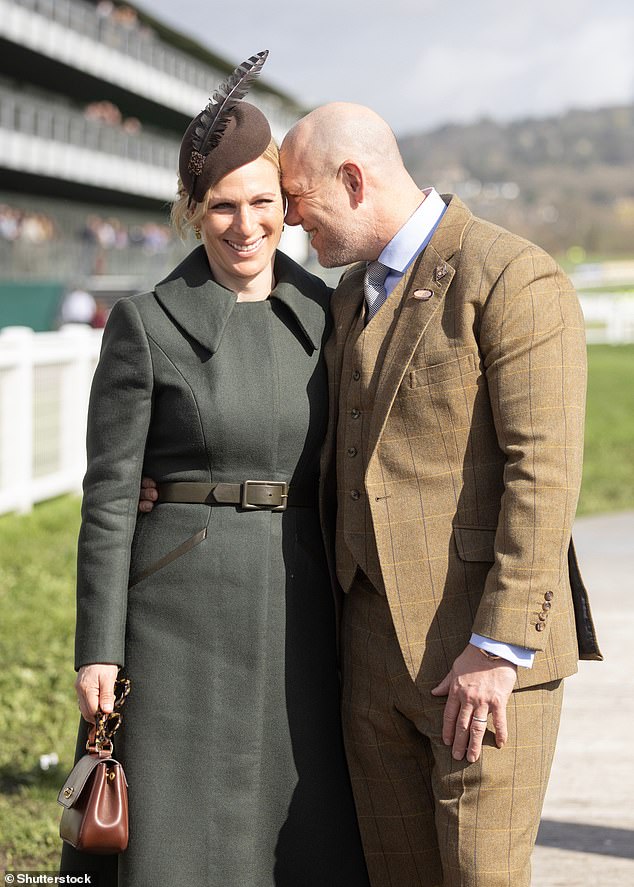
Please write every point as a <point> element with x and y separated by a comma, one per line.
<point>424,63</point>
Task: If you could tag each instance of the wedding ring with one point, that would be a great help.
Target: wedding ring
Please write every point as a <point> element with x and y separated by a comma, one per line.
<point>480,720</point>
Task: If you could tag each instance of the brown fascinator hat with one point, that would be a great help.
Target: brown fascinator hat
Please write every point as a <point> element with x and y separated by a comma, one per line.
<point>226,134</point>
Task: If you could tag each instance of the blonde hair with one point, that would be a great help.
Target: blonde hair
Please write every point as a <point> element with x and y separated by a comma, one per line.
<point>185,220</point>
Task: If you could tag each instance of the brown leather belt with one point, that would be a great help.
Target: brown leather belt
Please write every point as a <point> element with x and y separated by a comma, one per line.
<point>252,495</point>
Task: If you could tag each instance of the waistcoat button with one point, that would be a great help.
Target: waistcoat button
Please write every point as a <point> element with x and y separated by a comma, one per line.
<point>352,451</point>
<point>356,375</point>
<point>355,494</point>
<point>355,413</point>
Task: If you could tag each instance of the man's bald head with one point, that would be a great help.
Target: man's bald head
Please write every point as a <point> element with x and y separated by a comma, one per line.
<point>341,131</point>
<point>345,182</point>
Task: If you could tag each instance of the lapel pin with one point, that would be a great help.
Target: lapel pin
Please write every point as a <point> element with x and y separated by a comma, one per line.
<point>423,295</point>
<point>440,272</point>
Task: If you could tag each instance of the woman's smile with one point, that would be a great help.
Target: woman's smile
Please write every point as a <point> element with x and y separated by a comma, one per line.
<point>245,249</point>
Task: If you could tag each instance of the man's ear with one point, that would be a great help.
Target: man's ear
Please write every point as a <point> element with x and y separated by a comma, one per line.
<point>353,180</point>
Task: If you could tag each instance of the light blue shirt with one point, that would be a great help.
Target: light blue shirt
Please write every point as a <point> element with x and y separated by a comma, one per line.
<point>410,240</point>
<point>406,245</point>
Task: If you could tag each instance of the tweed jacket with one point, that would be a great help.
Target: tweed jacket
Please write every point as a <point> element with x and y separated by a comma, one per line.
<point>471,443</point>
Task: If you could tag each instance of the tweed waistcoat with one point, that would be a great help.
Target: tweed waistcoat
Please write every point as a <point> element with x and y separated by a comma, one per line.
<point>363,356</point>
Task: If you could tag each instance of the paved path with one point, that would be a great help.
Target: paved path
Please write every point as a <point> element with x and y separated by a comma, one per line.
<point>587,834</point>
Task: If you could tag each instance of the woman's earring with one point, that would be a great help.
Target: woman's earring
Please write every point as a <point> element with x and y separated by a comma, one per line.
<point>197,232</point>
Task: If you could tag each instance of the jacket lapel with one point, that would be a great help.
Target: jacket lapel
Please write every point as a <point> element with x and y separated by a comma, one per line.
<point>433,271</point>
<point>193,299</point>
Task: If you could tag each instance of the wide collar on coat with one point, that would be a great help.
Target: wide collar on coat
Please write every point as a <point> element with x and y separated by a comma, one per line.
<point>202,307</point>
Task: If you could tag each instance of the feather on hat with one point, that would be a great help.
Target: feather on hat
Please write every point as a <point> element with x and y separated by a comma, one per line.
<point>226,134</point>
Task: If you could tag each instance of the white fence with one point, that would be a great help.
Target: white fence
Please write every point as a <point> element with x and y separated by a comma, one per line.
<point>44,388</point>
<point>609,318</point>
<point>45,384</point>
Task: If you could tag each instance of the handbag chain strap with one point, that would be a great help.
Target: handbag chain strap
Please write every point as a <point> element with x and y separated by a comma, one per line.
<point>107,723</point>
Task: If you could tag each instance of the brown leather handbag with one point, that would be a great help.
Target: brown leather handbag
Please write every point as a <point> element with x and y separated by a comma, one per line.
<point>95,795</point>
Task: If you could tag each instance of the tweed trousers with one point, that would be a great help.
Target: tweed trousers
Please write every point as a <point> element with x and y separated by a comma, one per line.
<point>426,819</point>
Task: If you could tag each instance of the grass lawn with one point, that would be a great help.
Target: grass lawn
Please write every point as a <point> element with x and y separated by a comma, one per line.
<point>38,714</point>
<point>608,472</point>
<point>37,563</point>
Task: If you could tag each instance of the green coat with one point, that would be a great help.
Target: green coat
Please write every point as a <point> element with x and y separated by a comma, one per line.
<point>231,739</point>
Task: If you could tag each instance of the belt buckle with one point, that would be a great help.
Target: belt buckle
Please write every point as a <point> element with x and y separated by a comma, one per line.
<point>283,496</point>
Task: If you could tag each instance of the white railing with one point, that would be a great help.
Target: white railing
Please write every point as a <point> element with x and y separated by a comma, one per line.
<point>609,318</point>
<point>77,260</point>
<point>44,388</point>
<point>49,139</point>
<point>52,121</point>
<point>134,58</point>
<point>45,384</point>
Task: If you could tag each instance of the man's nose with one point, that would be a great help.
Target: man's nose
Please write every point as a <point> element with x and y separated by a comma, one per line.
<point>292,216</point>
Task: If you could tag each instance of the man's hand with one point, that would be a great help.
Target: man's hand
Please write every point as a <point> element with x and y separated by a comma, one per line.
<point>476,687</point>
<point>95,689</point>
<point>148,494</point>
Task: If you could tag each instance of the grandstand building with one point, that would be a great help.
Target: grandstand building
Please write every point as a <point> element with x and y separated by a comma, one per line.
<point>94,98</point>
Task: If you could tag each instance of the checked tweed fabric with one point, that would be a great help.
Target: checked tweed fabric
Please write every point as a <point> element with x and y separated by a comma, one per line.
<point>427,820</point>
<point>374,287</point>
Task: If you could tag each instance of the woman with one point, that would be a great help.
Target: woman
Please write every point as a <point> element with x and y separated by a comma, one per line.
<point>218,602</point>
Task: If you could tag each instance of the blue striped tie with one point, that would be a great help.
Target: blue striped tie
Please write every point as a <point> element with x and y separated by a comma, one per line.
<point>374,287</point>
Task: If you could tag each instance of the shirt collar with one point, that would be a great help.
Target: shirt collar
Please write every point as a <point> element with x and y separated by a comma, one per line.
<point>415,234</point>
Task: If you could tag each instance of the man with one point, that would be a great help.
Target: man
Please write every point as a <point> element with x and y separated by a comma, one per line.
<point>457,392</point>
<point>451,472</point>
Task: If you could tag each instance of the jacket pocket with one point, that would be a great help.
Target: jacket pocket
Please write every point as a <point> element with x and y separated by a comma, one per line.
<point>442,372</point>
<point>475,543</point>
<point>169,558</point>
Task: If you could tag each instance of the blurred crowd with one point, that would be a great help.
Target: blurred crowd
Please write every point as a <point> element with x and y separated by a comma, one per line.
<point>124,16</point>
<point>28,227</point>
<point>108,113</point>
<point>111,233</point>
<point>18,225</point>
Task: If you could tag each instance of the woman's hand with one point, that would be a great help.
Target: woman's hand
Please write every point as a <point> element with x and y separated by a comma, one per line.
<point>95,689</point>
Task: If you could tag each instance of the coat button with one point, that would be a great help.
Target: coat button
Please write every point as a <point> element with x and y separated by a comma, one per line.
<point>542,617</point>
<point>546,606</point>
<point>356,375</point>
<point>352,451</point>
<point>423,295</point>
<point>540,626</point>
<point>355,413</point>
<point>355,494</point>
<point>548,596</point>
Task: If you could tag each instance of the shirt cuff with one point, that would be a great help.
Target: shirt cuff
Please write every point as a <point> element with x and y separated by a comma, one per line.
<point>521,656</point>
